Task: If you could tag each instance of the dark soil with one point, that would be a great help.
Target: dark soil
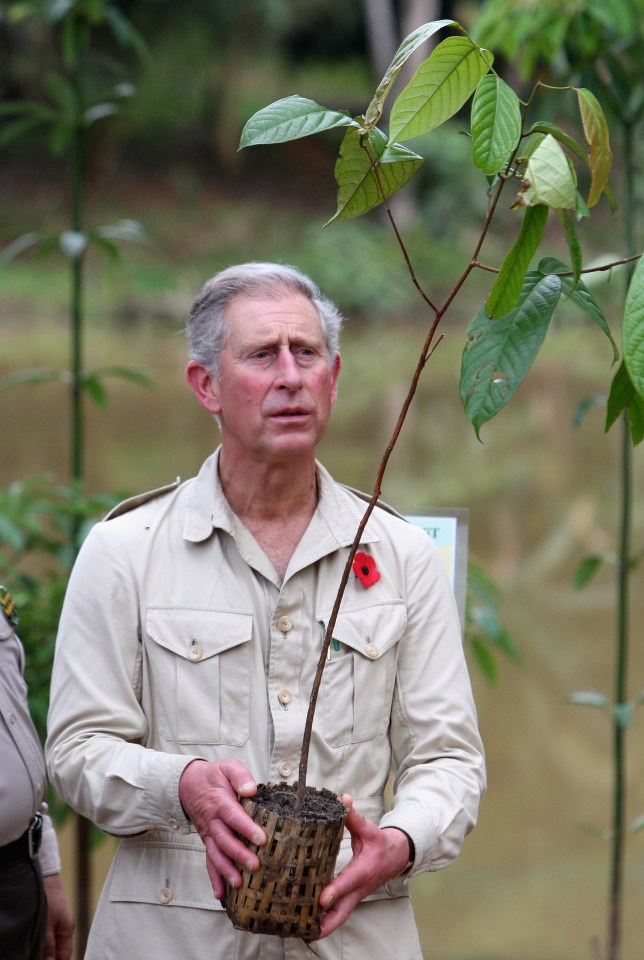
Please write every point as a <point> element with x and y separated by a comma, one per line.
<point>318,804</point>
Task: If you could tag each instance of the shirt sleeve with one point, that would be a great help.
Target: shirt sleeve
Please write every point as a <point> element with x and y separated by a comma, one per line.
<point>437,748</point>
<point>97,731</point>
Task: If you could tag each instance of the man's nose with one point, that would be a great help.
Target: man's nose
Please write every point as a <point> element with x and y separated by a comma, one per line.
<point>288,372</point>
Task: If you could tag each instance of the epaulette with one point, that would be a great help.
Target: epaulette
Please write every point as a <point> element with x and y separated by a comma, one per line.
<point>8,605</point>
<point>379,503</point>
<point>132,502</point>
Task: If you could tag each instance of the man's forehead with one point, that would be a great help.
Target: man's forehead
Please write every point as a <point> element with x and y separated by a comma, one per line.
<point>252,314</point>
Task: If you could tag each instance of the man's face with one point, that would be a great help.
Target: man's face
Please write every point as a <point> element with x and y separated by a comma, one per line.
<point>276,385</point>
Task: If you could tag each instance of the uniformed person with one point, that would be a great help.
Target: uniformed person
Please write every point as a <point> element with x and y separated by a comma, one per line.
<point>35,918</point>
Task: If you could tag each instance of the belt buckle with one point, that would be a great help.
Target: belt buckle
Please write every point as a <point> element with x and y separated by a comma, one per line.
<point>34,835</point>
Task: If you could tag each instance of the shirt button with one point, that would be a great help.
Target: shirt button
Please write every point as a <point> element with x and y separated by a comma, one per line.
<point>372,651</point>
<point>285,769</point>
<point>284,624</point>
<point>12,718</point>
<point>284,697</point>
<point>165,895</point>
<point>195,651</point>
<point>174,823</point>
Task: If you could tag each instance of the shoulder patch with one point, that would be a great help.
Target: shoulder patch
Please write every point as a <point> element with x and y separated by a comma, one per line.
<point>140,498</point>
<point>379,503</point>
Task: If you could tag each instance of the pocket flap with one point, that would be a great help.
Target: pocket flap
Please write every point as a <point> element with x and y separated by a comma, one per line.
<point>372,630</point>
<point>209,631</point>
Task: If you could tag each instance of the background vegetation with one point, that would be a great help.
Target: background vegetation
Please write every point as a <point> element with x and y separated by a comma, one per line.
<point>542,491</point>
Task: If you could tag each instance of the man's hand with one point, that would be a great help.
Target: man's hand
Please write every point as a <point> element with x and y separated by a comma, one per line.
<point>60,922</point>
<point>378,856</point>
<point>209,795</point>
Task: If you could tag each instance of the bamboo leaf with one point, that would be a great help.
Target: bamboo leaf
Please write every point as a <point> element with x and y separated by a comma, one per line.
<point>358,189</point>
<point>587,570</point>
<point>580,295</point>
<point>439,88</point>
<point>496,124</point>
<point>590,698</point>
<point>507,287</point>
<point>95,390</point>
<point>31,377</point>
<point>289,119</point>
<point>499,353</point>
<point>549,178</point>
<point>403,53</point>
<point>20,244</point>
<point>633,329</point>
<point>597,140</point>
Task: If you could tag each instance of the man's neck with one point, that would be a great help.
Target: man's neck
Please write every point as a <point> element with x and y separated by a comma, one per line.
<point>268,493</point>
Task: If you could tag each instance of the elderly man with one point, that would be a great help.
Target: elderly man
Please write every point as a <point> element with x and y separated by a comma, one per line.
<point>189,639</point>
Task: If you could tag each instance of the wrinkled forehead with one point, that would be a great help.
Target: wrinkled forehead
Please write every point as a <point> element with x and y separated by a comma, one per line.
<point>285,314</point>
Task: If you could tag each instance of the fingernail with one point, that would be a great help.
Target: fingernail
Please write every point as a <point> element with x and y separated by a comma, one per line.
<point>250,864</point>
<point>257,839</point>
<point>249,785</point>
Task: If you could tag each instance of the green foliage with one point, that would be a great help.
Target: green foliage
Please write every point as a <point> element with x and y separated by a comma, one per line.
<point>37,519</point>
<point>508,332</point>
<point>485,635</point>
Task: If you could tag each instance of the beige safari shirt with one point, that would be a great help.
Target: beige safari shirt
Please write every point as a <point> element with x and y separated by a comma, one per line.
<point>177,640</point>
<point>22,765</point>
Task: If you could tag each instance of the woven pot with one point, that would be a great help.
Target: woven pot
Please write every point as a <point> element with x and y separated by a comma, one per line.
<point>297,861</point>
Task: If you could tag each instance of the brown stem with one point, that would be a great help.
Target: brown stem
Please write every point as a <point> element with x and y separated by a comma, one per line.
<point>426,352</point>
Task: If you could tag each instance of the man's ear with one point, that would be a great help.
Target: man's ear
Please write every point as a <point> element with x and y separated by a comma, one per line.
<point>335,373</point>
<point>204,386</point>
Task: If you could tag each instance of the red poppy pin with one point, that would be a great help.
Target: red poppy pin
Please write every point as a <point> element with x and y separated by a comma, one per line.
<point>364,567</point>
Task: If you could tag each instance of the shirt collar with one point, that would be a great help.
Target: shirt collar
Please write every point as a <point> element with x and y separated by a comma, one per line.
<point>334,523</point>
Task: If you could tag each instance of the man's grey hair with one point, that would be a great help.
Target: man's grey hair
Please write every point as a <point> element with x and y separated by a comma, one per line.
<point>207,328</point>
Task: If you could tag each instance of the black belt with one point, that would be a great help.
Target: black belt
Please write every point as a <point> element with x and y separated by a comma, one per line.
<point>25,847</point>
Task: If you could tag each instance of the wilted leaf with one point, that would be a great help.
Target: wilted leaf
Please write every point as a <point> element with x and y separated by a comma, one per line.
<point>439,88</point>
<point>507,287</point>
<point>596,134</point>
<point>289,119</point>
<point>496,124</point>
<point>499,353</point>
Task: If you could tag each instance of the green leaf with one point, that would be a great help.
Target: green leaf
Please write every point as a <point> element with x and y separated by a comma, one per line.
<point>289,119</point>
<point>587,570</point>
<point>545,127</point>
<point>580,295</point>
<point>95,390</point>
<point>620,396</point>
<point>574,247</point>
<point>30,376</point>
<point>496,124</point>
<point>549,178</point>
<point>485,660</point>
<point>507,287</point>
<point>499,353</point>
<point>590,698</point>
<point>636,419</point>
<point>403,53</point>
<point>133,374</point>
<point>633,329</point>
<point>439,88</point>
<point>358,189</point>
<point>596,134</point>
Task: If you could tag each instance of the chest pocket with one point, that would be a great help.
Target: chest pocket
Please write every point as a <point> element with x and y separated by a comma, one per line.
<point>199,660</point>
<point>358,680</point>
